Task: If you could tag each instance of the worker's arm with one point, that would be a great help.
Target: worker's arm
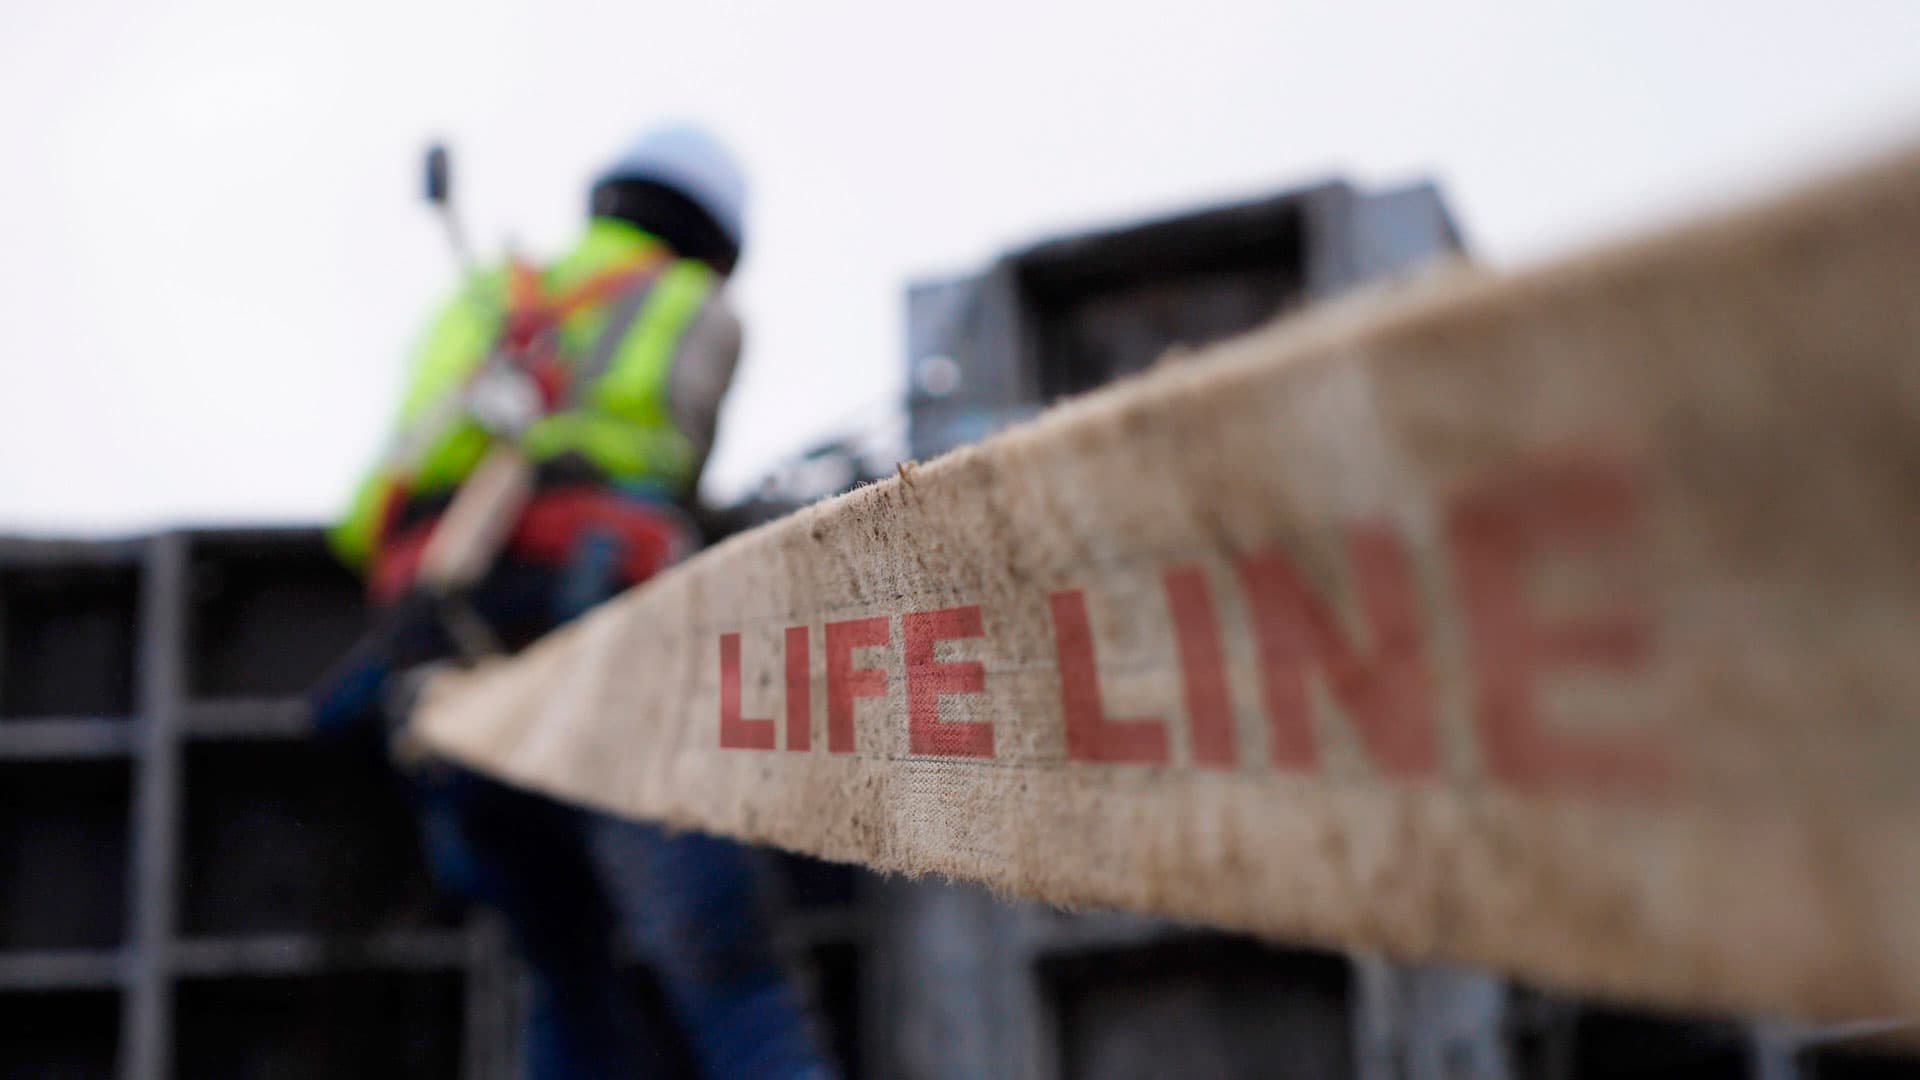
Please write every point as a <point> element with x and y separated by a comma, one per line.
<point>433,444</point>
<point>702,372</point>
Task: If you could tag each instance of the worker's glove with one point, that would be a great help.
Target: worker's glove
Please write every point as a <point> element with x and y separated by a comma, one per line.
<point>503,400</point>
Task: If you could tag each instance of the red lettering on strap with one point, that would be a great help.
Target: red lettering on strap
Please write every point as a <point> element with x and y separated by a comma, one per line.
<point>799,691</point>
<point>846,682</point>
<point>1385,695</point>
<point>738,732</point>
<point>1091,736</point>
<point>928,678</point>
<point>1203,668</point>
<point>1498,535</point>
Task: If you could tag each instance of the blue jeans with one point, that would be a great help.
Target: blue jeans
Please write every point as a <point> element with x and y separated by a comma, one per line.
<point>569,880</point>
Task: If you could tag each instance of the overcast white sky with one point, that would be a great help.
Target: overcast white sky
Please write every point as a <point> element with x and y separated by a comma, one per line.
<point>212,260</point>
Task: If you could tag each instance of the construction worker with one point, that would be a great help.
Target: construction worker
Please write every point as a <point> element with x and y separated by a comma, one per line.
<point>627,347</point>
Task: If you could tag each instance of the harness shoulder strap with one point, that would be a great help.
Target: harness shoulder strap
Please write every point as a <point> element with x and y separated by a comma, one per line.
<point>529,333</point>
<point>633,286</point>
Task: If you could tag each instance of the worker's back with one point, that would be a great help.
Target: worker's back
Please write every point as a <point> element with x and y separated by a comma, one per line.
<point>640,354</point>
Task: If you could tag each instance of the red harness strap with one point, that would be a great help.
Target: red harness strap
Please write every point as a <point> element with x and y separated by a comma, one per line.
<point>549,529</point>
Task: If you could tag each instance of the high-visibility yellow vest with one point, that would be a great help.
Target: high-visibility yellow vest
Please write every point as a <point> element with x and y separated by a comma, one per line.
<point>615,413</point>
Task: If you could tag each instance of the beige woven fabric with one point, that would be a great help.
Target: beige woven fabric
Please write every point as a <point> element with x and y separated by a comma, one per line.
<point>1567,624</point>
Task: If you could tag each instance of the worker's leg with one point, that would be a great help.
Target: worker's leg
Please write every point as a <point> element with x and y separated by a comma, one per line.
<point>525,856</point>
<point>693,904</point>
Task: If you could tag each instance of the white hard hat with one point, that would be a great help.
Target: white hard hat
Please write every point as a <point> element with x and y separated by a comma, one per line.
<point>693,163</point>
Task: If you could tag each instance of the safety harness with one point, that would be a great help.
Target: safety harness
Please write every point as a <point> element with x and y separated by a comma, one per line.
<point>529,341</point>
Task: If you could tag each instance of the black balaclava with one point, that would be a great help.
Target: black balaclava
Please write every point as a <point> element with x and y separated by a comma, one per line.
<point>678,221</point>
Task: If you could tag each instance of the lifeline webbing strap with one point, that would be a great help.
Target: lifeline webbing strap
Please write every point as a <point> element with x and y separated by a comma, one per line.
<point>1567,624</point>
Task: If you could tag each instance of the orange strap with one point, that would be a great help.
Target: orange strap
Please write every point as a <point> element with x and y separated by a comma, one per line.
<point>527,296</point>
<point>532,314</point>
